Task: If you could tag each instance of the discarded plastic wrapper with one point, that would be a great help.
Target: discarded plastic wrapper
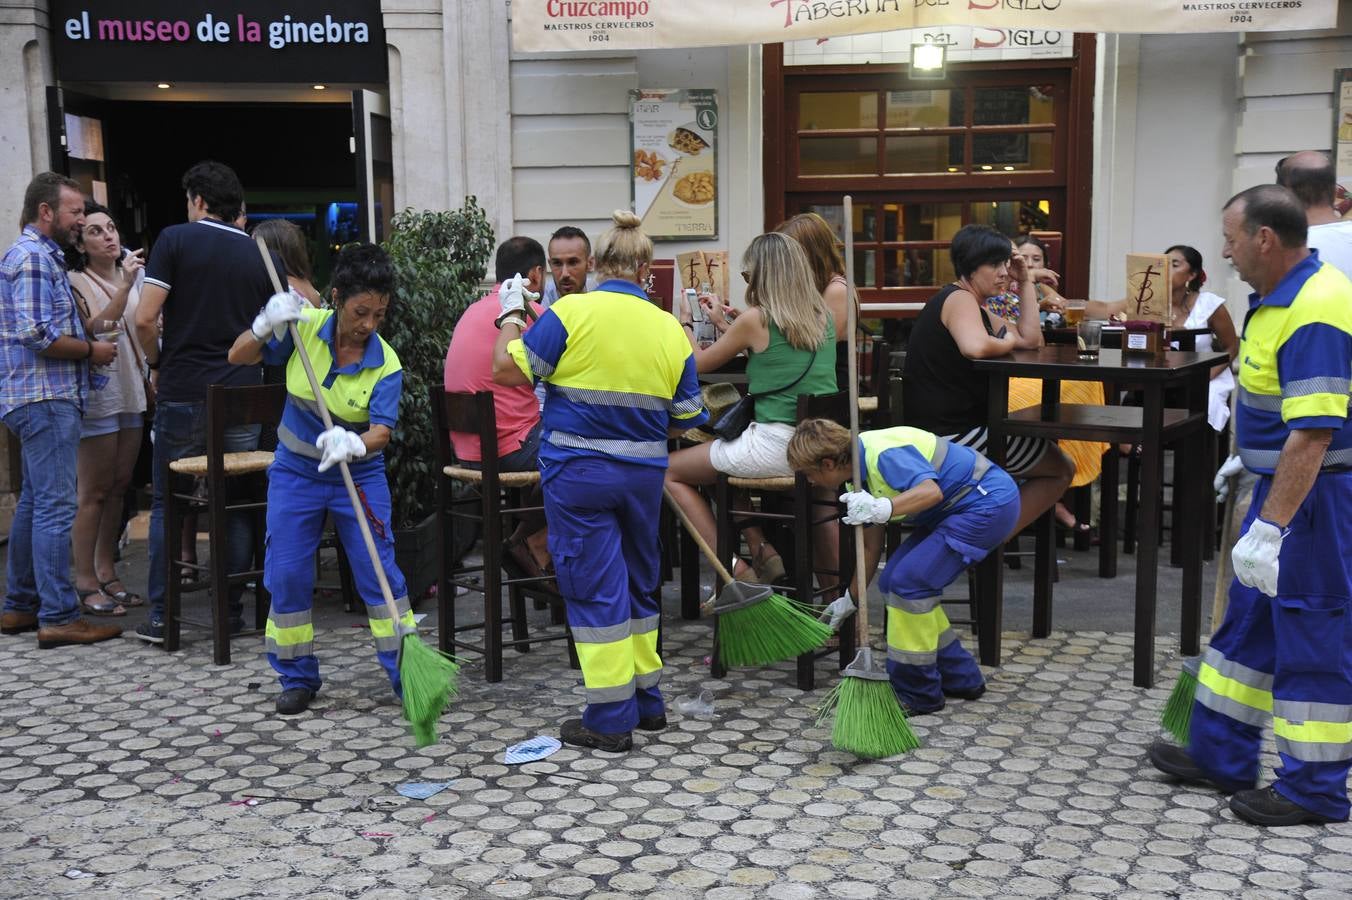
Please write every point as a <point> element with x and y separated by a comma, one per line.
<point>535,748</point>
<point>79,873</point>
<point>701,704</point>
<point>421,790</point>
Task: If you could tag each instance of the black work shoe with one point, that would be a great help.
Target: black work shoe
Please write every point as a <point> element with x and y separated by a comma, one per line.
<point>294,701</point>
<point>1174,760</point>
<point>575,733</point>
<point>652,723</point>
<point>151,630</point>
<point>1264,806</point>
<point>973,694</point>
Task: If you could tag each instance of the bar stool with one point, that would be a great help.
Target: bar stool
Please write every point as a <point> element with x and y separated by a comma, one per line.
<point>498,500</point>
<point>233,484</point>
<point>806,512</point>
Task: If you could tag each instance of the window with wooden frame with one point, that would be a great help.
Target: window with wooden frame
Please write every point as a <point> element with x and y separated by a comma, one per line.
<point>1003,144</point>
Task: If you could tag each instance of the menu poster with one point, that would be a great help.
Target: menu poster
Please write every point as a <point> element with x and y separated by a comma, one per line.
<point>1148,288</point>
<point>704,270</point>
<point>674,138</point>
<point>1342,140</point>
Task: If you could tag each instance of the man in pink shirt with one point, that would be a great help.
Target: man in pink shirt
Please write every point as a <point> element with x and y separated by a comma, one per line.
<point>469,369</point>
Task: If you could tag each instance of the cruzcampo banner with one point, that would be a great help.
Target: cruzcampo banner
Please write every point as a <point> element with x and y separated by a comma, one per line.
<point>554,25</point>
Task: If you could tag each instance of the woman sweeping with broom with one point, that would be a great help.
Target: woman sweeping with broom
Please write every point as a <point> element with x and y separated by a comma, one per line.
<point>361,381</point>
<point>962,507</point>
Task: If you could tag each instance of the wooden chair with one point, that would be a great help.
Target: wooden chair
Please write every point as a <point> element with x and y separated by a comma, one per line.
<point>805,513</point>
<point>233,485</point>
<point>498,500</point>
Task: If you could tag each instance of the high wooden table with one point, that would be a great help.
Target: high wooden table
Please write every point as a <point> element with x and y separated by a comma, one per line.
<point>1150,425</point>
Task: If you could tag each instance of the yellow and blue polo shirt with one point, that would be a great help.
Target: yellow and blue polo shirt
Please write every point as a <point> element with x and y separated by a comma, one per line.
<point>618,373</point>
<point>900,458</point>
<point>358,395</point>
<point>1295,366</point>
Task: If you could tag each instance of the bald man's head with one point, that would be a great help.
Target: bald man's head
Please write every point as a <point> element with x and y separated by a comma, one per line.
<point>1310,176</point>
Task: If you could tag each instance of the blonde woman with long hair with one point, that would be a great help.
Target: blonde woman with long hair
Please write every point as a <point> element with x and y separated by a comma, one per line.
<point>789,337</point>
<point>818,241</point>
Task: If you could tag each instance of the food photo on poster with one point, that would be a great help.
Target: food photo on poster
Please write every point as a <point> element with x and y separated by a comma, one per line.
<point>675,182</point>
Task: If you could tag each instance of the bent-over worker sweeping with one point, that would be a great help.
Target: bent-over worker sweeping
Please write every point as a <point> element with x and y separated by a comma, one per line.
<point>361,380</point>
<point>962,507</point>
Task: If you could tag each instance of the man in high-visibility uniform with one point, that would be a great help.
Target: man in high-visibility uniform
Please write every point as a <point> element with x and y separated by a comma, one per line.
<point>620,378</point>
<point>962,506</point>
<point>1285,649</point>
<point>361,379</point>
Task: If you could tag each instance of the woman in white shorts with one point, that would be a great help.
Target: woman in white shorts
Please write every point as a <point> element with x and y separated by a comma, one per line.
<point>789,337</point>
<point>110,435</point>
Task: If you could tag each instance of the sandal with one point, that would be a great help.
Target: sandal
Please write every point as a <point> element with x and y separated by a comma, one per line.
<point>124,596</point>
<point>107,607</point>
<point>769,569</point>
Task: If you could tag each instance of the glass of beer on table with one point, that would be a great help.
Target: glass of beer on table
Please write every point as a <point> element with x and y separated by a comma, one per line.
<point>1074,314</point>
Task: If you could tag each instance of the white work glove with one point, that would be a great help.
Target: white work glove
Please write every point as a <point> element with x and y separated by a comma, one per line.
<point>512,297</point>
<point>862,508</point>
<point>1228,469</point>
<point>1255,556</point>
<point>339,445</point>
<point>272,319</point>
<point>837,611</point>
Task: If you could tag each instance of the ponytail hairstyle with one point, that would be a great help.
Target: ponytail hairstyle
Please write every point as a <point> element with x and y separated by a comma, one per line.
<point>623,248</point>
<point>780,284</point>
<point>1194,260</point>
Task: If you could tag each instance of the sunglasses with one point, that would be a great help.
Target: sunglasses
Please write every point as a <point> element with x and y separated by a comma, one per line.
<point>746,276</point>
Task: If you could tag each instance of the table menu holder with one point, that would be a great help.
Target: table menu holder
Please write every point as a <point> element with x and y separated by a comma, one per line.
<point>1143,337</point>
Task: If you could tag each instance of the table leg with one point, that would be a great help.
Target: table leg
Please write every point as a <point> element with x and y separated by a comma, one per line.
<point>991,571</point>
<point>1112,464</point>
<point>1148,549</point>
<point>1044,564</point>
<point>1201,503</point>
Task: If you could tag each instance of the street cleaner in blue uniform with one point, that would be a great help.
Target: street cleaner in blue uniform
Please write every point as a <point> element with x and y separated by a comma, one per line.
<point>619,378</point>
<point>961,505</point>
<point>1284,651</point>
<point>361,379</point>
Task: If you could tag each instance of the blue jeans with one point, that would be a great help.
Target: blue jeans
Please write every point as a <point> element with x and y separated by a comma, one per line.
<point>39,541</point>
<point>180,430</point>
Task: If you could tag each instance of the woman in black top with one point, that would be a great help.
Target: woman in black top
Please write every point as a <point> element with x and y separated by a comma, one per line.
<point>943,392</point>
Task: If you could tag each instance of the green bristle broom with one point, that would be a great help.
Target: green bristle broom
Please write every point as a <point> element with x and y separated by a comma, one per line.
<point>869,720</point>
<point>428,677</point>
<point>756,625</point>
<point>1177,717</point>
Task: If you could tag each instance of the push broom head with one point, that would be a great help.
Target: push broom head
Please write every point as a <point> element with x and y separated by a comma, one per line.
<point>869,722</point>
<point>758,627</point>
<point>430,679</point>
<point>1177,717</point>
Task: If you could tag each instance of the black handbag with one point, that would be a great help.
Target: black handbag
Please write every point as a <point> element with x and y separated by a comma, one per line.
<point>737,417</point>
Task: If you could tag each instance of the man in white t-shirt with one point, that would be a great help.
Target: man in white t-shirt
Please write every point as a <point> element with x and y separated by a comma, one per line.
<point>1311,176</point>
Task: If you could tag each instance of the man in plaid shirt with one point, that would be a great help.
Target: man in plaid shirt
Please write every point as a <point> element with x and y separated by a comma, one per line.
<point>44,364</point>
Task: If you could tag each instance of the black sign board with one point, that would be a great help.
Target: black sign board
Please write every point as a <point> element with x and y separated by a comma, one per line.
<point>223,41</point>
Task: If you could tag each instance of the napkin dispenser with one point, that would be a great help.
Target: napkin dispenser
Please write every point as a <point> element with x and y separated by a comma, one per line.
<point>1142,336</point>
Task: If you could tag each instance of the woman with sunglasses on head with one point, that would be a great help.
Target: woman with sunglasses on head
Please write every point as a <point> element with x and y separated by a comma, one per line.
<point>789,337</point>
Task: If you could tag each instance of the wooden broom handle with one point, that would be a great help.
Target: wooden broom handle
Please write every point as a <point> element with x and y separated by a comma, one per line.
<point>357,509</point>
<point>698,538</point>
<point>860,567</point>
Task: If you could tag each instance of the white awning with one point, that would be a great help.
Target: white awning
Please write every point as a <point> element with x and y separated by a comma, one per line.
<point>563,25</point>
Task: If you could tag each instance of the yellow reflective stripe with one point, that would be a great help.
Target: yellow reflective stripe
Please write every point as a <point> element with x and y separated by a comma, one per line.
<point>1313,732</point>
<point>646,659</point>
<point>915,632</point>
<point>283,637</point>
<point>1238,691</point>
<point>1334,405</point>
<point>517,351</point>
<point>606,665</point>
<point>383,627</point>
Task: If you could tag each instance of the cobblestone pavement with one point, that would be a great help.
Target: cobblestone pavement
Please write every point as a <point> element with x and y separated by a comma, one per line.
<point>161,775</point>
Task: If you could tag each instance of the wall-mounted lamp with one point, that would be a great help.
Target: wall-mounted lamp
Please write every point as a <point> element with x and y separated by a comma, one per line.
<point>164,85</point>
<point>927,60</point>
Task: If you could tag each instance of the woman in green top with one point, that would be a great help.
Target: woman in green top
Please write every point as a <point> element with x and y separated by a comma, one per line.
<point>789,338</point>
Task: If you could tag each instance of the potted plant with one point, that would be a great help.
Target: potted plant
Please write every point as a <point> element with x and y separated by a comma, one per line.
<point>439,259</point>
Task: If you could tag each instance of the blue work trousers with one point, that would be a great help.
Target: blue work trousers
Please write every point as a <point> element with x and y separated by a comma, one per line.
<point>603,540</point>
<point>38,576</point>
<point>925,659</point>
<point>296,509</point>
<point>1289,659</point>
<point>180,430</point>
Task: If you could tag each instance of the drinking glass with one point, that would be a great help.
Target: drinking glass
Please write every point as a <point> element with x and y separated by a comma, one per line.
<point>1074,314</point>
<point>1089,338</point>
